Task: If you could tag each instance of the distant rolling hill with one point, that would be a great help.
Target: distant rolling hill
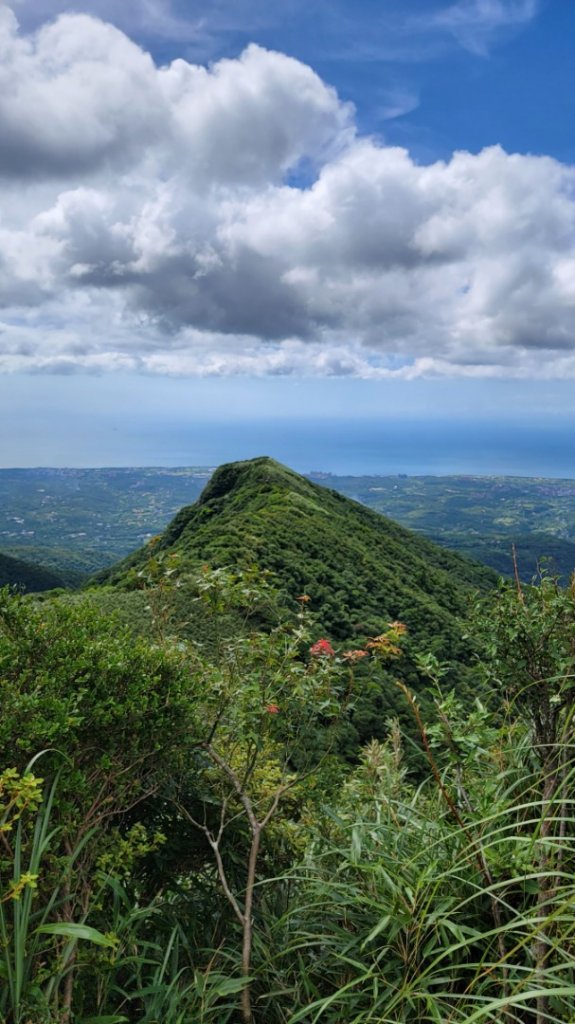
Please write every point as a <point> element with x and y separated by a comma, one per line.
<point>26,576</point>
<point>535,553</point>
<point>481,517</point>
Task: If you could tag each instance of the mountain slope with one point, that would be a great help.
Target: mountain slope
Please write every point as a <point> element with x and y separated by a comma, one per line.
<point>15,572</point>
<point>360,568</point>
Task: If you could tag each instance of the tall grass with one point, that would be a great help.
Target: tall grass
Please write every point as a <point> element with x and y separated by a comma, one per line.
<point>19,920</point>
<point>157,973</point>
<point>392,920</point>
<point>37,946</point>
<point>386,919</point>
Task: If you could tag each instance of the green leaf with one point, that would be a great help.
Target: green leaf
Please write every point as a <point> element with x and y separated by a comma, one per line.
<point>69,930</point>
<point>228,986</point>
<point>380,926</point>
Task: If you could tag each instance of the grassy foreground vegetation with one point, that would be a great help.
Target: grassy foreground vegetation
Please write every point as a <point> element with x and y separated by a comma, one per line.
<point>181,842</point>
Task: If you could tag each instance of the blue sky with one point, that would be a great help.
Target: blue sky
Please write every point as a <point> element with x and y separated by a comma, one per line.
<point>271,211</point>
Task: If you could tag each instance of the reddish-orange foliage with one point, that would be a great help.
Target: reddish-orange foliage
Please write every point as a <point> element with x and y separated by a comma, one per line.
<point>322,648</point>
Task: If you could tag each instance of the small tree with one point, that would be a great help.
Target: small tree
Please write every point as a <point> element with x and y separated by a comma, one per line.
<point>270,701</point>
<point>115,717</point>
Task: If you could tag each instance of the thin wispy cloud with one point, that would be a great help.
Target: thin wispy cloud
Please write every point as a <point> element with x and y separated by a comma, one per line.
<point>204,28</point>
<point>419,31</point>
<point>426,33</point>
<point>397,101</point>
<point>477,25</point>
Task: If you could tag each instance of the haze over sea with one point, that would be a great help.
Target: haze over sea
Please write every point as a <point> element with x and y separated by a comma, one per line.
<point>361,447</point>
<point>355,447</point>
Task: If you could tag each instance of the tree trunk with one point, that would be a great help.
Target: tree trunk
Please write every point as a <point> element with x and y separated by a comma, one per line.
<point>248,924</point>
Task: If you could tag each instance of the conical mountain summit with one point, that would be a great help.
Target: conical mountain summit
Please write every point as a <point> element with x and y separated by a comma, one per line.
<point>360,568</point>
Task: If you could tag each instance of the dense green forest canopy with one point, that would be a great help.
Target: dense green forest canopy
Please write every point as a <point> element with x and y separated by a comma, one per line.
<point>357,570</point>
<point>359,567</point>
<point>482,517</point>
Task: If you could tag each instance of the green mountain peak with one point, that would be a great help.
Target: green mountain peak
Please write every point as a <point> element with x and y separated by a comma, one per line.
<point>360,568</point>
<point>262,472</point>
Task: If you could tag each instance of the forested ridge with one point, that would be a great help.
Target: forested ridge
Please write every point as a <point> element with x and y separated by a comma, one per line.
<point>358,568</point>
<point>288,763</point>
<point>357,564</point>
<point>17,572</point>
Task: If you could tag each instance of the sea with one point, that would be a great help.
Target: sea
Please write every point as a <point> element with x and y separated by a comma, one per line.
<point>343,446</point>
<point>364,447</point>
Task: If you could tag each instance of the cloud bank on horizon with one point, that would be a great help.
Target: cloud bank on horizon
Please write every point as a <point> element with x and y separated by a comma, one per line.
<point>230,219</point>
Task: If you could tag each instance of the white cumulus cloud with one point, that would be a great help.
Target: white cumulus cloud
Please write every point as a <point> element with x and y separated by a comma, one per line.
<point>229,219</point>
